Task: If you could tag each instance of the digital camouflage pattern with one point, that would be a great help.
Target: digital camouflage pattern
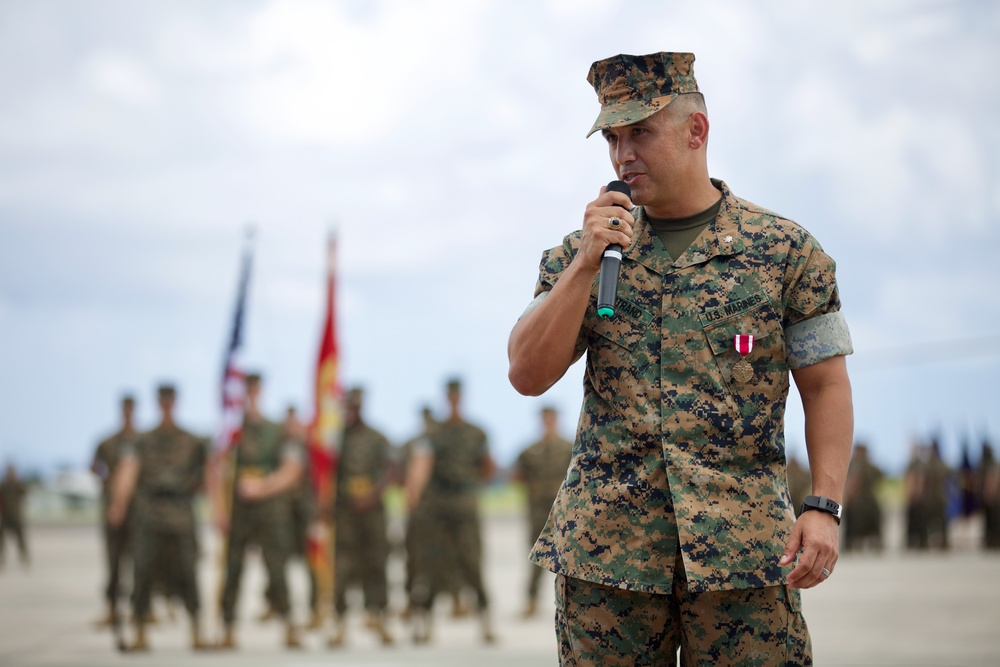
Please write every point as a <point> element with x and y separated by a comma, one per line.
<point>260,450</point>
<point>171,470</point>
<point>607,627</point>
<point>106,457</point>
<point>632,88</point>
<point>542,466</point>
<point>116,538</point>
<point>450,507</point>
<point>673,452</point>
<point>362,545</point>
<point>12,493</point>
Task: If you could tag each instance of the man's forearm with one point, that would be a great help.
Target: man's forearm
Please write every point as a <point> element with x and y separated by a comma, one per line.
<point>829,426</point>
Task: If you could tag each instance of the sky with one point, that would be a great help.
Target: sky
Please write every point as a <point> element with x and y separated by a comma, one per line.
<point>444,142</point>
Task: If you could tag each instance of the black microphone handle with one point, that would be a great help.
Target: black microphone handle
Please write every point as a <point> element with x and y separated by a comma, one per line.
<point>607,286</point>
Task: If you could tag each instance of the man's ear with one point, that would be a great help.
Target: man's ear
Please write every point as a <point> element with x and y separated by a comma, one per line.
<point>698,124</point>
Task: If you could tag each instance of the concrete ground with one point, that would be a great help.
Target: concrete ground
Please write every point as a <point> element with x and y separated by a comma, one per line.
<point>889,609</point>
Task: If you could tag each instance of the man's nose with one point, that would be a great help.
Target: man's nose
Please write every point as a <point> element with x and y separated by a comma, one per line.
<point>623,152</point>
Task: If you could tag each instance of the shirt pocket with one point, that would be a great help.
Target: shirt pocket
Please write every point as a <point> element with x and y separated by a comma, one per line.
<point>767,358</point>
<point>623,361</point>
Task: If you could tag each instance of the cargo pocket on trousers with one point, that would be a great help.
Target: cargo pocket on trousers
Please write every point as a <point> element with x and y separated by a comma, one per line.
<point>798,647</point>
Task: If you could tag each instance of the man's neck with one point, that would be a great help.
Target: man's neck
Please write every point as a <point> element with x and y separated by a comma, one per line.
<point>689,201</point>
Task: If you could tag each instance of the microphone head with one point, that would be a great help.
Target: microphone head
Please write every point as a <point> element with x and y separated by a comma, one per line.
<point>620,186</point>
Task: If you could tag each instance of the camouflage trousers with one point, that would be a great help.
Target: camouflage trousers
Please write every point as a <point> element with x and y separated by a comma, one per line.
<point>451,551</point>
<point>268,524</point>
<point>599,625</point>
<point>16,528</point>
<point>360,556</point>
<point>116,547</point>
<point>537,516</point>
<point>164,556</point>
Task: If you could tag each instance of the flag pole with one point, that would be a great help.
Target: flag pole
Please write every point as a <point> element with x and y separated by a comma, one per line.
<point>220,478</point>
<point>325,433</point>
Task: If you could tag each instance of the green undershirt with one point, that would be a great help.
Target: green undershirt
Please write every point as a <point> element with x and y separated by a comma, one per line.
<point>676,234</point>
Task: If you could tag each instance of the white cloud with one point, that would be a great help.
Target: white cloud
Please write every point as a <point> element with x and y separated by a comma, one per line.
<point>120,77</point>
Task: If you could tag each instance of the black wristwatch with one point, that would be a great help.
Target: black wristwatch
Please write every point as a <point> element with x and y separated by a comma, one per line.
<point>823,504</point>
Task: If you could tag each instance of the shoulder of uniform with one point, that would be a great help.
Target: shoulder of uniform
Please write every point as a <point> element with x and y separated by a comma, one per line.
<point>757,221</point>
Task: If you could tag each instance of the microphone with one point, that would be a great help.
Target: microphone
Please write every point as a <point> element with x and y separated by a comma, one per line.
<point>607,286</point>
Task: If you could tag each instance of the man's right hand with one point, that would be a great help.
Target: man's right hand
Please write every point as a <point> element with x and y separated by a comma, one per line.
<point>597,232</point>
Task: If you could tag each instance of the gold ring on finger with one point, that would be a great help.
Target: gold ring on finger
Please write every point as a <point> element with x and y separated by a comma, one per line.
<point>615,223</point>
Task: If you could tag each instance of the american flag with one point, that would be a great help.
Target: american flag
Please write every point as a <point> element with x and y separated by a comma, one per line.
<point>233,375</point>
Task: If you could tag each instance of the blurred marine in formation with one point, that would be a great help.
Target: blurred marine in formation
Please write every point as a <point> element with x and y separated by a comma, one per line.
<point>303,514</point>
<point>160,471</point>
<point>116,538</point>
<point>361,543</point>
<point>416,522</point>
<point>266,465</point>
<point>989,475</point>
<point>542,467</point>
<point>862,511</point>
<point>443,479</point>
<point>12,493</point>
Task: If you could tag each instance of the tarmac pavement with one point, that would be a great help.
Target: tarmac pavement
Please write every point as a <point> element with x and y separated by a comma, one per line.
<point>932,609</point>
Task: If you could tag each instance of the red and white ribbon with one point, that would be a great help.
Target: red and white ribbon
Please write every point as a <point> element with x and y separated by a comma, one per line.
<point>743,343</point>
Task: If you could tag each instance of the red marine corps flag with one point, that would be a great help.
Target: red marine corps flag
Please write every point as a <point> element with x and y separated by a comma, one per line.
<point>326,431</point>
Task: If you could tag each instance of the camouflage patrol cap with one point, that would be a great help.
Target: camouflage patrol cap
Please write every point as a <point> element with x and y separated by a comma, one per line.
<point>454,385</point>
<point>166,390</point>
<point>632,88</point>
<point>354,396</point>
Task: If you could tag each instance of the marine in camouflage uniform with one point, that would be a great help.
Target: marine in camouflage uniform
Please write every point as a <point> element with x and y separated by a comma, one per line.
<point>862,511</point>
<point>12,493</point>
<point>267,465</point>
<point>989,480</point>
<point>674,529</point>
<point>443,480</point>
<point>361,550</point>
<point>914,485</point>
<point>159,474</point>
<point>414,531</point>
<point>116,538</point>
<point>937,480</point>
<point>542,467</point>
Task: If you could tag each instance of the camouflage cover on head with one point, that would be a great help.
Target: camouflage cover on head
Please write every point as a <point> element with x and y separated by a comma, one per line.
<point>632,88</point>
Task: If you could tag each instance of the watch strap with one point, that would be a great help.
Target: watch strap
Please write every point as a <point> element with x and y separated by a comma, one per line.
<point>823,504</point>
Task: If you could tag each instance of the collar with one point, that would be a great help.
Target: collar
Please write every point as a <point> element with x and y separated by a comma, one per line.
<point>722,238</point>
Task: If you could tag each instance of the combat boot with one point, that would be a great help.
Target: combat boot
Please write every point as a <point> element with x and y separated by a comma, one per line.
<point>198,642</point>
<point>108,620</point>
<point>292,636</point>
<point>315,620</point>
<point>376,621</point>
<point>485,623</point>
<point>228,638</point>
<point>458,607</point>
<point>339,635</point>
<point>422,625</point>
<point>140,643</point>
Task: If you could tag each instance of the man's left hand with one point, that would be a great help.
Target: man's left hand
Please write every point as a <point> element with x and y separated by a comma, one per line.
<point>816,539</point>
